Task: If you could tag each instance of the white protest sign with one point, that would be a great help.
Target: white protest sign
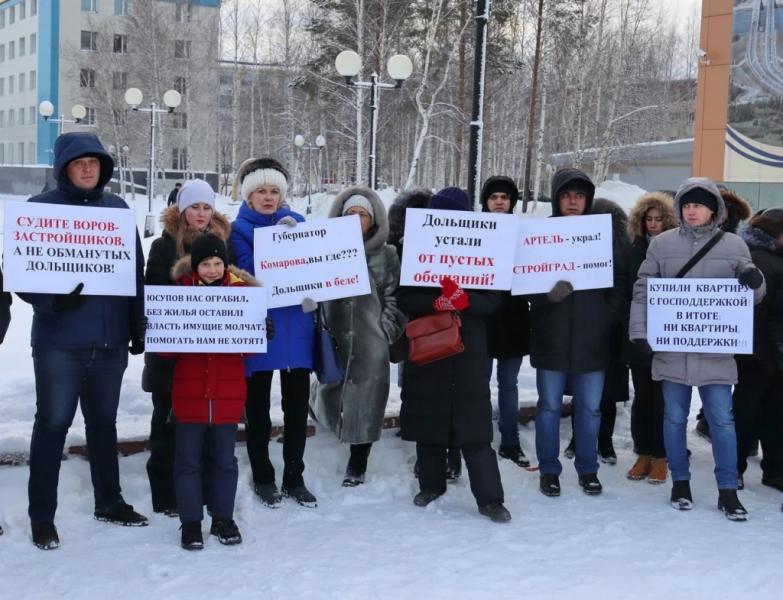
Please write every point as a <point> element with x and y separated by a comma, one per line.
<point>573,249</point>
<point>322,260</point>
<point>699,315</point>
<point>205,319</point>
<point>51,248</point>
<point>471,248</point>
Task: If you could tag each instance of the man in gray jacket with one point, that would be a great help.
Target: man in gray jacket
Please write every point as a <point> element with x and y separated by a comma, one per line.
<point>699,209</point>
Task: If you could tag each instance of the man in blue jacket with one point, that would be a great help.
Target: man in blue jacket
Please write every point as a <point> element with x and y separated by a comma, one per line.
<point>80,352</point>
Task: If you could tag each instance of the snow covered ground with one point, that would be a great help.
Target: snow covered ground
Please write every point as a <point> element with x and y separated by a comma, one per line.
<point>370,541</point>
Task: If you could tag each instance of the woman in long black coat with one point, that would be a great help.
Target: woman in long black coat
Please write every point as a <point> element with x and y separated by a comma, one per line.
<point>193,215</point>
<point>447,402</point>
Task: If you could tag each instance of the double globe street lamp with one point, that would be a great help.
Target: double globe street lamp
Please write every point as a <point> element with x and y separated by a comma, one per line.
<point>348,64</point>
<point>172,99</point>
<point>301,143</point>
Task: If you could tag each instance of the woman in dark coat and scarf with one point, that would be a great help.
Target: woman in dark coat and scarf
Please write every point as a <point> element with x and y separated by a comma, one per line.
<point>446,402</point>
<point>193,214</point>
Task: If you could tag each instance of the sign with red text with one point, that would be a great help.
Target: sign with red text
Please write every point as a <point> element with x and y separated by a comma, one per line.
<point>573,249</point>
<point>699,315</point>
<point>205,319</point>
<point>474,249</point>
<point>51,248</point>
<point>321,260</point>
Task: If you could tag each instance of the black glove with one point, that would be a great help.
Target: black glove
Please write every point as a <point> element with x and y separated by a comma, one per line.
<point>136,346</point>
<point>643,346</point>
<point>270,329</point>
<point>751,277</point>
<point>560,291</point>
<point>72,301</point>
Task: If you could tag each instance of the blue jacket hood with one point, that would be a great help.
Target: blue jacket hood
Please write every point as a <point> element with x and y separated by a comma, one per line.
<point>73,145</point>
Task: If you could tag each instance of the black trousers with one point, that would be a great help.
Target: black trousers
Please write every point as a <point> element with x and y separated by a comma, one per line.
<point>482,464</point>
<point>647,413</point>
<point>160,465</point>
<point>758,414</point>
<point>295,385</point>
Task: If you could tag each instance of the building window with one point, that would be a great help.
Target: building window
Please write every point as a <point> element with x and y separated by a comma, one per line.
<point>33,80</point>
<point>86,78</point>
<point>11,50</point>
<point>22,10</point>
<point>33,7</point>
<point>179,159</point>
<point>182,11</point>
<point>22,45</point>
<point>120,43</point>
<point>2,24</point>
<point>2,153</point>
<point>121,8</point>
<point>10,84</point>
<point>90,6</point>
<point>89,118</point>
<point>11,119</point>
<point>31,158</point>
<point>33,43</point>
<point>21,116</point>
<point>2,86</point>
<point>21,83</point>
<point>20,151</point>
<point>89,40</point>
<point>32,115</point>
<point>2,119</point>
<point>181,85</point>
<point>182,49</point>
<point>179,120</point>
<point>119,80</point>
<point>11,20</point>
<point>2,52</point>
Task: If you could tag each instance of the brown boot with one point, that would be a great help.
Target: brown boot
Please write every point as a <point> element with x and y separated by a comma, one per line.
<point>641,468</point>
<point>658,471</point>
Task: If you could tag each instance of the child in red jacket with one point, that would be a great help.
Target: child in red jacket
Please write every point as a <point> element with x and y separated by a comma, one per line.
<point>208,400</point>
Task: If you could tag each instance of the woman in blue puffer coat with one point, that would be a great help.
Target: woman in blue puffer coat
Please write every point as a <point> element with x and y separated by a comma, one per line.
<point>263,183</point>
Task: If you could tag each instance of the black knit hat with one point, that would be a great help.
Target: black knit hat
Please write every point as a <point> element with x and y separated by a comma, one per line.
<point>699,195</point>
<point>207,246</point>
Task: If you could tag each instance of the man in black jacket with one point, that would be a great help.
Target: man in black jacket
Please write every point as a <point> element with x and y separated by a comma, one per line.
<point>569,342</point>
<point>172,199</point>
<point>80,352</point>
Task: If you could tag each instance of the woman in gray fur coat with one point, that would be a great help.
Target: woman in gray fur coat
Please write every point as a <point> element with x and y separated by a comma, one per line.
<point>363,326</point>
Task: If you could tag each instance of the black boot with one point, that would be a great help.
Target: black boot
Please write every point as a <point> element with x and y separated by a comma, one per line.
<point>681,498</point>
<point>549,485</point>
<point>590,484</point>
<point>607,454</point>
<point>302,496</point>
<point>226,531</point>
<point>496,512</point>
<point>191,536</point>
<point>45,536</point>
<point>731,506</point>
<point>269,494</point>
<point>514,454</point>
<point>453,465</point>
<point>357,465</point>
<point>122,514</point>
<point>424,498</point>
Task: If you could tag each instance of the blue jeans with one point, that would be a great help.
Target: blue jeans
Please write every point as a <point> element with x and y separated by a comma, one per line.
<point>188,470</point>
<point>716,400</point>
<point>508,399</point>
<point>587,389</point>
<point>65,377</point>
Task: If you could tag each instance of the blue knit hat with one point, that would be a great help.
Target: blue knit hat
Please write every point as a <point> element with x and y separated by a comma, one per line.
<point>451,198</point>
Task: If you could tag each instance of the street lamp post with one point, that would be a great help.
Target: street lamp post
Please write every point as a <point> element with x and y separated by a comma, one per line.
<point>299,142</point>
<point>172,99</point>
<point>348,64</point>
<point>483,10</point>
<point>46,110</point>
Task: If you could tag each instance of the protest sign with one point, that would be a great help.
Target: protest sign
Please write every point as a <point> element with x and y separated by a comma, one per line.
<point>573,249</point>
<point>699,315</point>
<point>322,260</point>
<point>474,249</point>
<point>51,248</point>
<point>205,319</point>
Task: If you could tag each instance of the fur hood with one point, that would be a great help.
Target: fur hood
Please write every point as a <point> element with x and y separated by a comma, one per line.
<point>603,206</point>
<point>182,268</point>
<point>757,238</point>
<point>380,230</point>
<point>174,226</point>
<point>737,207</point>
<point>661,201</point>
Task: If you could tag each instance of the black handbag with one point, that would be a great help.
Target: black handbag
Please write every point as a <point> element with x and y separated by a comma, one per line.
<point>328,368</point>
